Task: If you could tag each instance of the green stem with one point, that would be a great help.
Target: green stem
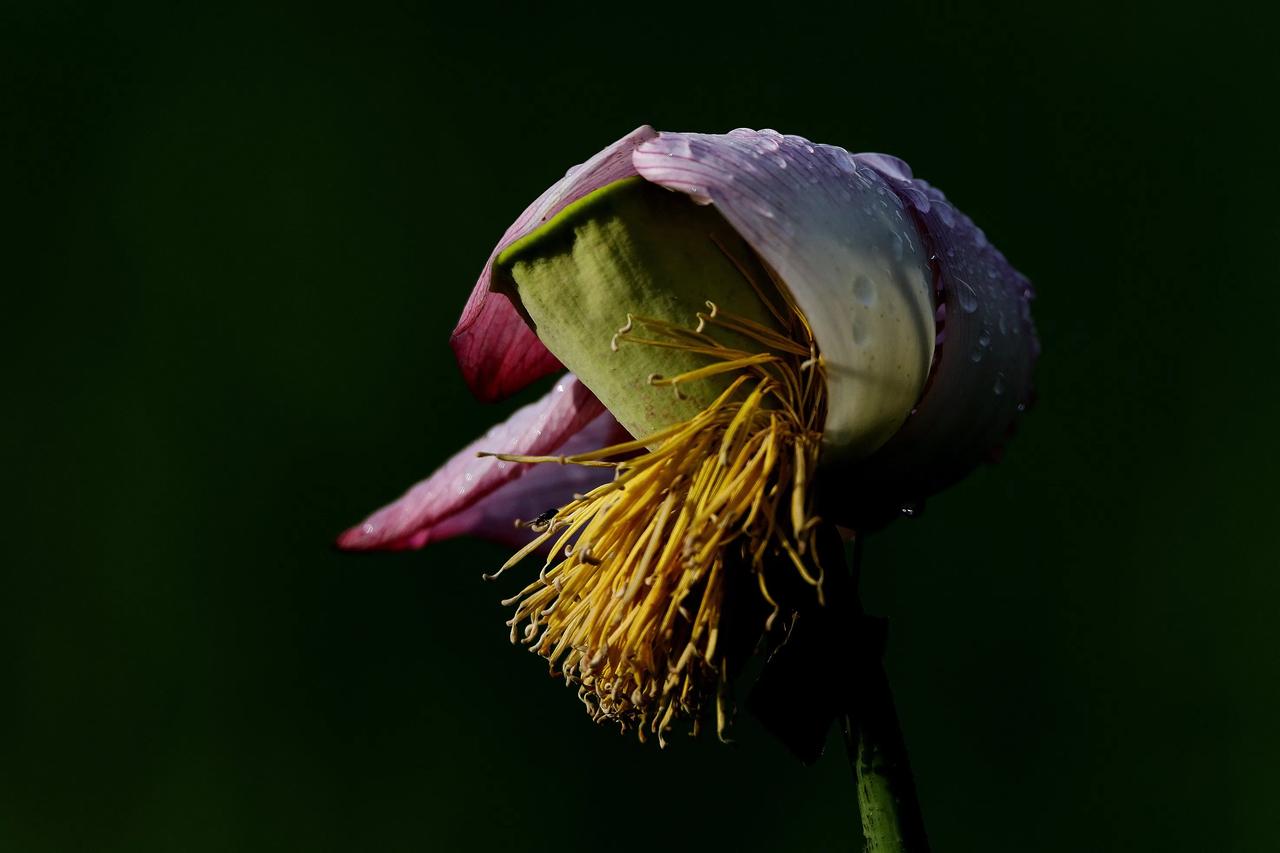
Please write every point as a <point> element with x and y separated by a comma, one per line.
<point>887,803</point>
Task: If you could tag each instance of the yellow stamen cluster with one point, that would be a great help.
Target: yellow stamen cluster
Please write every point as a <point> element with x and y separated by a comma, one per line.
<point>629,604</point>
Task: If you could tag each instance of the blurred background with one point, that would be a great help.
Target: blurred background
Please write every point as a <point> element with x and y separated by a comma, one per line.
<point>237,240</point>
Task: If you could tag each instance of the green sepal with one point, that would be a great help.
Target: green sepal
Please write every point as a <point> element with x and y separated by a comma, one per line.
<point>633,248</point>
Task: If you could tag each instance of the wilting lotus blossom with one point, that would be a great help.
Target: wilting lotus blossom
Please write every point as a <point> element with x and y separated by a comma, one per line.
<point>766,338</point>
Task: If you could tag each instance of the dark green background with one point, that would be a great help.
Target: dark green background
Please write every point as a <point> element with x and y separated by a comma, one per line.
<point>236,242</point>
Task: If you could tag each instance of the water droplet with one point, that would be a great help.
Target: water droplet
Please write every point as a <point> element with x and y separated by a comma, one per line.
<point>860,335</point>
<point>976,355</point>
<point>864,290</point>
<point>912,508</point>
<point>367,530</point>
<point>998,387</point>
<point>984,339</point>
<point>1022,407</point>
<point>968,297</point>
<point>678,146</point>
<point>898,248</point>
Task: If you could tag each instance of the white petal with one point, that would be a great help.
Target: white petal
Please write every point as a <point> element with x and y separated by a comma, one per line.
<point>846,247</point>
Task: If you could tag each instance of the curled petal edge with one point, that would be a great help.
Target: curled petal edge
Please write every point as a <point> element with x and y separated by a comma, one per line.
<point>497,351</point>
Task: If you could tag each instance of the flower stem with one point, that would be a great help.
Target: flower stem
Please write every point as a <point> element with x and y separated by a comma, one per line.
<point>887,803</point>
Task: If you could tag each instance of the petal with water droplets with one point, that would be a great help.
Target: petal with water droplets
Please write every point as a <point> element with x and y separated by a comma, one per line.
<point>846,249</point>
<point>972,401</point>
<point>468,493</point>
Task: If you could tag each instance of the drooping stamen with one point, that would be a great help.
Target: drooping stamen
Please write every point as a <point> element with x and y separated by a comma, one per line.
<point>629,602</point>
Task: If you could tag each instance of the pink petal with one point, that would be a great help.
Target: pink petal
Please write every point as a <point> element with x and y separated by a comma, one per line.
<point>432,508</point>
<point>497,351</point>
<point>543,487</point>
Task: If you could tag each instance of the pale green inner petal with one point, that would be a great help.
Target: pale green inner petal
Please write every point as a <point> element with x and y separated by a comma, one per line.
<point>633,248</point>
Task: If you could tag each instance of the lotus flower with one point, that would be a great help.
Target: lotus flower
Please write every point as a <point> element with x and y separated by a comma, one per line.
<point>768,338</point>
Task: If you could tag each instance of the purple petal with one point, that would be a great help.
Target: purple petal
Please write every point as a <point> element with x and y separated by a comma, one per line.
<point>437,507</point>
<point>543,487</point>
<point>982,376</point>
<point>497,351</point>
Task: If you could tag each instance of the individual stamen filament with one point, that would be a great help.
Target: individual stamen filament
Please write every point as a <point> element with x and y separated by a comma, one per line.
<point>629,602</point>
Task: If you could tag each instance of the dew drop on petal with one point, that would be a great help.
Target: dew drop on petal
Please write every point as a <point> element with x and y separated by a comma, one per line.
<point>679,147</point>
<point>864,290</point>
<point>998,387</point>
<point>968,297</point>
